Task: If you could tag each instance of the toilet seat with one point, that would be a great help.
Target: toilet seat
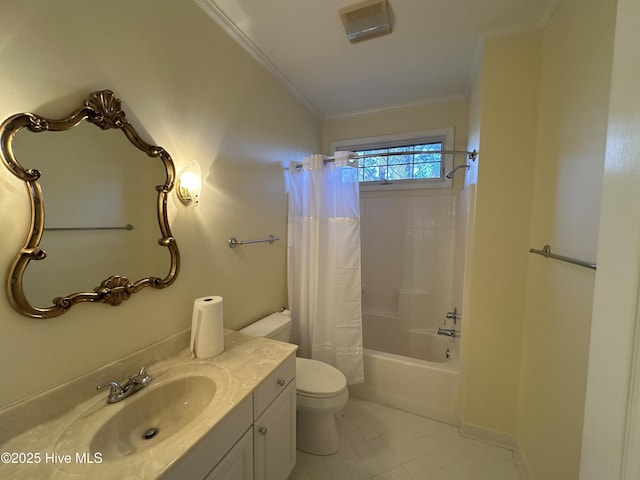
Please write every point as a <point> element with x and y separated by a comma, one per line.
<point>318,379</point>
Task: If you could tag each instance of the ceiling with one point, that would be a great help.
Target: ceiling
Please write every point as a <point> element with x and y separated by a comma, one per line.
<point>429,56</point>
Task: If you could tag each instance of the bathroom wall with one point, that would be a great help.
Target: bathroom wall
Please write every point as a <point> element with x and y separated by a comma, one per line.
<point>503,125</point>
<point>538,116</point>
<point>188,87</point>
<point>572,125</point>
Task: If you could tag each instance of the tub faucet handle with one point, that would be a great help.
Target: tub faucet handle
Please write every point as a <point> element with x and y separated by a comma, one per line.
<point>452,316</point>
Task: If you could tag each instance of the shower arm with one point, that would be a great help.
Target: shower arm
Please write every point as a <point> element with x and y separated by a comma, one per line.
<point>450,173</point>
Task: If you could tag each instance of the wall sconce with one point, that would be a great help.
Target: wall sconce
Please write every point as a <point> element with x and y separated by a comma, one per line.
<point>189,184</point>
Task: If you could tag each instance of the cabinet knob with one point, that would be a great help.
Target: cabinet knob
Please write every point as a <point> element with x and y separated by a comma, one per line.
<point>262,430</point>
<point>280,382</point>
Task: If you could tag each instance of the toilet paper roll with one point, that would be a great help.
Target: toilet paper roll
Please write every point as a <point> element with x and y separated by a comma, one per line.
<point>207,327</point>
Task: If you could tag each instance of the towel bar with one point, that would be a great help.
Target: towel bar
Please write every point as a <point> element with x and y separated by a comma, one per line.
<point>126,227</point>
<point>234,242</point>
<point>546,252</point>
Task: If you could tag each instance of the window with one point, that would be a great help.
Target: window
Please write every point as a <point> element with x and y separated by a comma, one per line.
<point>386,167</point>
<point>412,166</point>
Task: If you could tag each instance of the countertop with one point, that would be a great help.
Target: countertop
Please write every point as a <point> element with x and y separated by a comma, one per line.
<point>55,447</point>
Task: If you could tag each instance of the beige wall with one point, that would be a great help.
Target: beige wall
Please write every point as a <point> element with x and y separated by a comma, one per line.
<point>503,126</point>
<point>188,87</point>
<point>538,115</point>
<point>572,123</point>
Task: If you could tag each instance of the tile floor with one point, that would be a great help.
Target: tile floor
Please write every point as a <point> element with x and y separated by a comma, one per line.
<point>381,443</point>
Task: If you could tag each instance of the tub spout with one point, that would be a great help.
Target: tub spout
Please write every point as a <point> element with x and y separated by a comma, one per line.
<point>446,331</point>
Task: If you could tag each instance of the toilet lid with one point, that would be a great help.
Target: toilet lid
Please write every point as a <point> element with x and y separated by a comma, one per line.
<point>318,378</point>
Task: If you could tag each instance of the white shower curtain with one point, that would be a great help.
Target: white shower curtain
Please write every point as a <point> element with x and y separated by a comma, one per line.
<point>324,263</point>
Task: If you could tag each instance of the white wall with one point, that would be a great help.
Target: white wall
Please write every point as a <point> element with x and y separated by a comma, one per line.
<point>188,87</point>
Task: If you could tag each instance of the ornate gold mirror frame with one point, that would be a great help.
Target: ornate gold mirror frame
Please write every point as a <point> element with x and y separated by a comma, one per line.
<point>102,109</point>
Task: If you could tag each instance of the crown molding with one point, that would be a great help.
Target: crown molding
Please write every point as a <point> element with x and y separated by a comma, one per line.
<point>388,108</point>
<point>543,20</point>
<point>231,29</point>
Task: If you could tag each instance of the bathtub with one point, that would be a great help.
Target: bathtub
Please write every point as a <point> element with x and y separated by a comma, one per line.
<point>425,384</point>
<point>427,345</point>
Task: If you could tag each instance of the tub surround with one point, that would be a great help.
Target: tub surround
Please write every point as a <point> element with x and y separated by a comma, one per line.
<point>41,424</point>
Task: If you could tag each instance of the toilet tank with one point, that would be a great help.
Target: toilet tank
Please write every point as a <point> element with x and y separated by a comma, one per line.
<point>276,326</point>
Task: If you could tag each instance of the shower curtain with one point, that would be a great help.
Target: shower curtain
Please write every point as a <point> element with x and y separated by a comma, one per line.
<point>324,263</point>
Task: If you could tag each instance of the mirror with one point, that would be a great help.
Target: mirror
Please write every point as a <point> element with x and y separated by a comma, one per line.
<point>105,206</point>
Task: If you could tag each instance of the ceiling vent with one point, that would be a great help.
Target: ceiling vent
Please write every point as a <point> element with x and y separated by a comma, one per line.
<point>367,19</point>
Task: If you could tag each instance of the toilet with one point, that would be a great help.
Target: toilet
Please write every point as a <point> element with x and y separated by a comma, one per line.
<point>321,391</point>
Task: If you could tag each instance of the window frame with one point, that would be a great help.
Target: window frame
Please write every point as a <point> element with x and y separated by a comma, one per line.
<point>444,135</point>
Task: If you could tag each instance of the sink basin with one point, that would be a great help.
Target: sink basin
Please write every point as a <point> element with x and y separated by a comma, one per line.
<point>152,415</point>
<point>172,406</point>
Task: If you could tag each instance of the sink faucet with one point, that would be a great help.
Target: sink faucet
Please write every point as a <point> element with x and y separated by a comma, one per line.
<point>448,332</point>
<point>130,386</point>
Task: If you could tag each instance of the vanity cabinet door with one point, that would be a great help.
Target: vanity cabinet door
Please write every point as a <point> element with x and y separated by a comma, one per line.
<point>237,464</point>
<point>274,437</point>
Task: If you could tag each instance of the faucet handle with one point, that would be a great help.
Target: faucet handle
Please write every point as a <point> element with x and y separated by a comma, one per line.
<point>452,316</point>
<point>143,370</point>
<point>115,387</point>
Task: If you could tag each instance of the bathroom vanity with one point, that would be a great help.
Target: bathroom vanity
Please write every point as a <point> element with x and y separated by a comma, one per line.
<point>228,417</point>
<point>255,441</point>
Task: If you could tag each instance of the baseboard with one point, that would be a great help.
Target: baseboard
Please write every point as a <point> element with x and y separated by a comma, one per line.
<point>500,439</point>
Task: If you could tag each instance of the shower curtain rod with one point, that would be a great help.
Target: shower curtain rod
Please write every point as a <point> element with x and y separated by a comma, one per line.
<point>471,155</point>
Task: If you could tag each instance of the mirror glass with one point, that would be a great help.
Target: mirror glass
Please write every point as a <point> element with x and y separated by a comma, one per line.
<point>104,204</point>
